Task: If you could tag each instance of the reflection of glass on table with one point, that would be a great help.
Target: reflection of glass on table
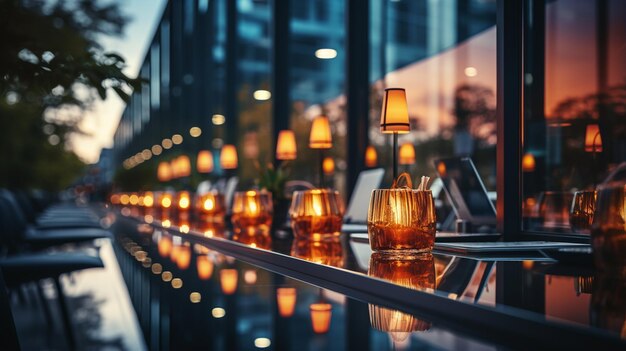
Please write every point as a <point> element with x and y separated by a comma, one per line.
<point>411,271</point>
<point>554,208</point>
<point>583,208</point>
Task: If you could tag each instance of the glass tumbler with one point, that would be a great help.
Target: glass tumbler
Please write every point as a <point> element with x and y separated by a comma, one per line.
<point>316,214</point>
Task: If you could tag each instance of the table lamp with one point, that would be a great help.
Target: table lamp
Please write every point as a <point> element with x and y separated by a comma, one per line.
<point>228,157</point>
<point>320,139</point>
<point>394,119</point>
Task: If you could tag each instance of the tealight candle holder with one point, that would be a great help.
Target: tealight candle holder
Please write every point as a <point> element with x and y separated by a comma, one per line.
<point>183,201</point>
<point>252,209</point>
<point>411,271</point>
<point>210,207</point>
<point>316,214</point>
<point>402,219</point>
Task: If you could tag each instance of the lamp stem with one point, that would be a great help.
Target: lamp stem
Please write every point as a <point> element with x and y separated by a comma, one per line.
<point>395,155</point>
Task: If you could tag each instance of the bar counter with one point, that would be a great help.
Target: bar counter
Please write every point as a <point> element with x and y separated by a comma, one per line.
<point>196,284</point>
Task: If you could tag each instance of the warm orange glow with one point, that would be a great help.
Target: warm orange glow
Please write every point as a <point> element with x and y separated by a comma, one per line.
<point>371,157</point>
<point>328,166</point>
<point>228,157</point>
<point>593,139</point>
<point>327,252</point>
<point>415,272</point>
<point>184,200</point>
<point>252,209</point>
<point>528,162</point>
<point>205,267</point>
<point>394,117</point>
<point>166,200</point>
<point>148,199</point>
<point>164,172</point>
<point>211,206</point>
<point>204,163</point>
<point>286,145</point>
<point>441,169</point>
<point>184,257</point>
<point>316,214</point>
<point>165,246</point>
<point>183,166</point>
<point>228,279</point>
<point>321,314</point>
<point>407,154</point>
<point>124,199</point>
<point>320,137</point>
<point>133,199</point>
<point>286,298</point>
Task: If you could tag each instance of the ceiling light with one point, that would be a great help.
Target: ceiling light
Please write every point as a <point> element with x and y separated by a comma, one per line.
<point>471,71</point>
<point>325,53</point>
<point>177,139</point>
<point>195,132</point>
<point>218,119</point>
<point>262,95</point>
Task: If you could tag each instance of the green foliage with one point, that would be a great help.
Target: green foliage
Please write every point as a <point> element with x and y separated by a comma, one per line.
<point>274,179</point>
<point>50,60</point>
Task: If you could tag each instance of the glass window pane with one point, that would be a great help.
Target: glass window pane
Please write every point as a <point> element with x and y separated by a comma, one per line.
<point>317,57</point>
<point>575,109</point>
<point>254,103</point>
<point>444,54</point>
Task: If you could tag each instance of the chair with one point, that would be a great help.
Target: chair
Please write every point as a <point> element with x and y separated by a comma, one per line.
<point>15,232</point>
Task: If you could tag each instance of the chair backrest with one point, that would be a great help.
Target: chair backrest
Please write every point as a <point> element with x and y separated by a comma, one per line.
<point>8,332</point>
<point>15,221</point>
<point>26,205</point>
<point>11,229</point>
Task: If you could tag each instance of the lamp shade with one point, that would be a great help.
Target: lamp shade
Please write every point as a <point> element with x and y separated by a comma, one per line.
<point>286,145</point>
<point>593,139</point>
<point>228,157</point>
<point>328,166</point>
<point>204,267</point>
<point>321,313</point>
<point>204,163</point>
<point>164,172</point>
<point>407,154</point>
<point>394,117</point>
<point>371,157</point>
<point>320,137</point>
<point>528,162</point>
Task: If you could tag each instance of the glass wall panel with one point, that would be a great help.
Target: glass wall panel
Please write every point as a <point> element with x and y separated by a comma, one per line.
<point>254,103</point>
<point>317,77</point>
<point>444,54</point>
<point>575,109</point>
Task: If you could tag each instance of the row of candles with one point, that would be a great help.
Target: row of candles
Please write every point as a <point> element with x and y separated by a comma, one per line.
<point>400,219</point>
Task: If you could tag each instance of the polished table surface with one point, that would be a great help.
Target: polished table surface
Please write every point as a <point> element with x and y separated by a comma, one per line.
<point>173,267</point>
